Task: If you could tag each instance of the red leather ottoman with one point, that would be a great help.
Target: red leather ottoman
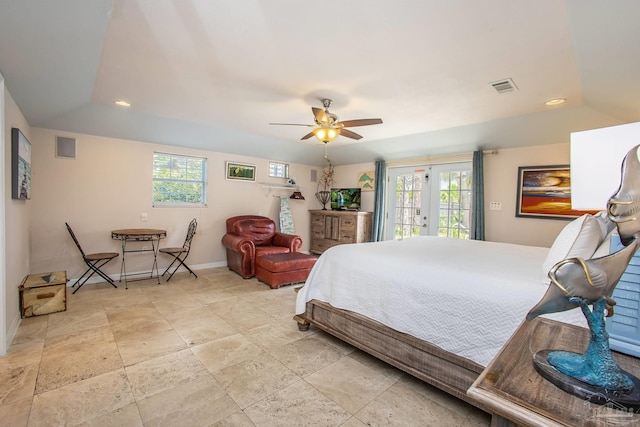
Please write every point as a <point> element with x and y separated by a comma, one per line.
<point>283,269</point>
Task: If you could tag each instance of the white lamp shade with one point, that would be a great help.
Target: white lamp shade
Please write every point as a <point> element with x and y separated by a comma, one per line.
<point>596,160</point>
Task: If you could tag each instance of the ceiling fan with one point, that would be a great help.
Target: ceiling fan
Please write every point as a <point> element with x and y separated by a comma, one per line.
<point>327,126</point>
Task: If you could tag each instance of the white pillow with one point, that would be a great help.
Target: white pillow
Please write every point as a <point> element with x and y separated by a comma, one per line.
<point>604,248</point>
<point>605,223</point>
<point>579,238</point>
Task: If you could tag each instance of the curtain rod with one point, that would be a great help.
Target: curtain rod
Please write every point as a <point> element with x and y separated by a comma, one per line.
<point>434,160</point>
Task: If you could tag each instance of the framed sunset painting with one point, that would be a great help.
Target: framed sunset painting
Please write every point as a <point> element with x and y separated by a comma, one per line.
<point>545,192</point>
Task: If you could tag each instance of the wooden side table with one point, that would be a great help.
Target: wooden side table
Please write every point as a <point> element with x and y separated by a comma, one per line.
<point>516,394</point>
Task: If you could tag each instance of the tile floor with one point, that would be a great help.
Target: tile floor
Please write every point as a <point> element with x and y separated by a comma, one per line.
<point>212,351</point>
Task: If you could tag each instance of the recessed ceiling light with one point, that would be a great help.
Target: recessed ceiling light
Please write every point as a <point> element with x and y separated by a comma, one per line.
<point>555,101</point>
<point>122,103</point>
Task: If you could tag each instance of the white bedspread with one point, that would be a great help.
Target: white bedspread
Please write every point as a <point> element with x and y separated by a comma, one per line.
<point>467,297</point>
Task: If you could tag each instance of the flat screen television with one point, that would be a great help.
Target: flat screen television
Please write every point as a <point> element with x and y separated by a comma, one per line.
<point>345,198</point>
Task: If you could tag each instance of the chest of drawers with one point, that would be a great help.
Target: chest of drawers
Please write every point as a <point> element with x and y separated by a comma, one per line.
<point>331,228</point>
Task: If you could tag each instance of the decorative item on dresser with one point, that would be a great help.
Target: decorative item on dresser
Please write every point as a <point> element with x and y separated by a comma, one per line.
<point>331,228</point>
<point>324,195</point>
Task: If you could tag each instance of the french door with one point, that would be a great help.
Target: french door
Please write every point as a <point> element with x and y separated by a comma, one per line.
<point>429,200</point>
<point>408,197</point>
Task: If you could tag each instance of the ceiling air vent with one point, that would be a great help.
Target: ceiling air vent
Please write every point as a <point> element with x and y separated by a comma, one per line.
<point>504,86</point>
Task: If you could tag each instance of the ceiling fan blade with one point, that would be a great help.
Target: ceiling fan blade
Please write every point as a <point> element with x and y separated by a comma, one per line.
<point>290,124</point>
<point>361,122</point>
<point>307,136</point>
<point>320,115</point>
<point>349,134</point>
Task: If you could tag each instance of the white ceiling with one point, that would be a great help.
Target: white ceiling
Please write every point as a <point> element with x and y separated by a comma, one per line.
<point>212,74</point>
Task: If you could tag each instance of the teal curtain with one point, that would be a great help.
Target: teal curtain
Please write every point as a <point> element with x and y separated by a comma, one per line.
<point>477,197</point>
<point>378,202</point>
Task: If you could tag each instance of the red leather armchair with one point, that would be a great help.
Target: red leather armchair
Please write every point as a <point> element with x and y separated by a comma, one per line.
<point>250,236</point>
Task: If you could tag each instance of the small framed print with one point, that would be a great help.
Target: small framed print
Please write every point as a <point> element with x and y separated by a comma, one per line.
<point>241,171</point>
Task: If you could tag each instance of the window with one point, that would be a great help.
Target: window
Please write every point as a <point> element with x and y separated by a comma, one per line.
<point>179,180</point>
<point>408,205</point>
<point>454,219</point>
<point>278,170</point>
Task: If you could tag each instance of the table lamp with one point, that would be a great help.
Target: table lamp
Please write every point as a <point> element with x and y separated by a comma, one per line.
<point>596,157</point>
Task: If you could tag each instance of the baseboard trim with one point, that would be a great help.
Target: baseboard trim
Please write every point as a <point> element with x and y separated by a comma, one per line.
<point>13,330</point>
<point>116,277</point>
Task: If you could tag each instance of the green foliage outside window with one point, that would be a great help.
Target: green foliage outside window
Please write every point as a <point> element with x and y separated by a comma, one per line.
<point>455,205</point>
<point>179,180</point>
<point>408,193</point>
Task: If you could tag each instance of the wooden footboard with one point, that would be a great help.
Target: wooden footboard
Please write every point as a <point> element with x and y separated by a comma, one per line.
<point>447,371</point>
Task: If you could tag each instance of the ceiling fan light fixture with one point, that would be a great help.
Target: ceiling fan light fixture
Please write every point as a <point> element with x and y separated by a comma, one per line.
<point>326,134</point>
<point>327,126</point>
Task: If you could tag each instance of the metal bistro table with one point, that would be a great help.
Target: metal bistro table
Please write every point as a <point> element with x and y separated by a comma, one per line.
<point>139,235</point>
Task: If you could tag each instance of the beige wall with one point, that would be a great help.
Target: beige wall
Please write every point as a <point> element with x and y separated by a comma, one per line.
<point>500,182</point>
<point>347,176</point>
<point>16,226</point>
<point>500,177</point>
<point>108,186</point>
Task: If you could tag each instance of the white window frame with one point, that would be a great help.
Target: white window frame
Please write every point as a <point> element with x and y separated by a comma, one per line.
<point>276,167</point>
<point>177,203</point>
<point>435,202</point>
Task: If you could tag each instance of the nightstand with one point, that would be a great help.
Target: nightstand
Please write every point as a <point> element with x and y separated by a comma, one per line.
<point>516,394</point>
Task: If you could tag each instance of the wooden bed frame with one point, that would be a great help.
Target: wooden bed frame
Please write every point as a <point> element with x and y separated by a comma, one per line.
<point>442,369</point>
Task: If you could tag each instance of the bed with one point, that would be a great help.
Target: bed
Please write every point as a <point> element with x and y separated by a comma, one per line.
<point>439,309</point>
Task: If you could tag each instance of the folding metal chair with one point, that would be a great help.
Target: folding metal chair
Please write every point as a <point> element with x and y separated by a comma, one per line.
<point>94,261</point>
<point>180,254</point>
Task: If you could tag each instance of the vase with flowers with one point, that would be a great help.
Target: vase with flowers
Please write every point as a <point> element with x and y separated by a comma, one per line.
<point>326,179</point>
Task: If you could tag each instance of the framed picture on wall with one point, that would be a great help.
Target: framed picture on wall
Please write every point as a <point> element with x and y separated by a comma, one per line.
<point>366,180</point>
<point>20,165</point>
<point>545,192</point>
<point>241,171</point>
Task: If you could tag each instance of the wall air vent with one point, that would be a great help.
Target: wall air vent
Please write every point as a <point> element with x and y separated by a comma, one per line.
<point>65,147</point>
<point>504,86</point>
